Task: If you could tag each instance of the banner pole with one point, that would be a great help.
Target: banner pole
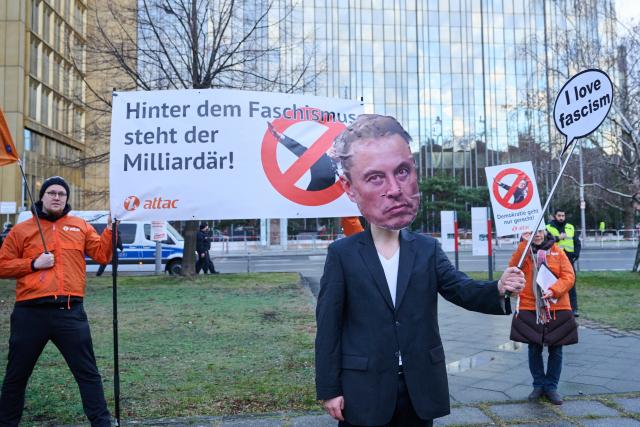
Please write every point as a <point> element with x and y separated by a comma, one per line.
<point>490,244</point>
<point>546,204</point>
<point>116,364</point>
<point>455,238</point>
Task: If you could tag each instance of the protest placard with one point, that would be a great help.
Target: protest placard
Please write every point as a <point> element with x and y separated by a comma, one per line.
<point>514,198</point>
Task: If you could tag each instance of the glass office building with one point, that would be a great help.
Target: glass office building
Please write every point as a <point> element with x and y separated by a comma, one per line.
<point>467,78</point>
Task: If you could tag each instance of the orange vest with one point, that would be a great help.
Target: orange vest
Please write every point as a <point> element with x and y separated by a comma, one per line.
<point>559,265</point>
<point>68,239</point>
<point>351,225</point>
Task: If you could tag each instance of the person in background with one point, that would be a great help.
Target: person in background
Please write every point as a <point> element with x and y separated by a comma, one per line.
<point>566,237</point>
<point>5,232</point>
<point>544,318</point>
<point>351,225</point>
<point>203,245</point>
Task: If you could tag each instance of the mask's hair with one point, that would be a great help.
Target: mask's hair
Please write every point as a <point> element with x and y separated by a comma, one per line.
<point>366,126</point>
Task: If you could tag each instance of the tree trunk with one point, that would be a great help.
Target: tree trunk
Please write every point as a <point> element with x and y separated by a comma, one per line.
<point>189,255</point>
<point>636,264</point>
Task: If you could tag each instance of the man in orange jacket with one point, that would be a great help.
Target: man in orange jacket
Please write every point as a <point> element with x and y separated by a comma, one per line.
<point>49,292</point>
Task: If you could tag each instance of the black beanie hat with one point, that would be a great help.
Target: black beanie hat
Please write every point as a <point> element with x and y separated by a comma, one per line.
<point>203,225</point>
<point>54,180</point>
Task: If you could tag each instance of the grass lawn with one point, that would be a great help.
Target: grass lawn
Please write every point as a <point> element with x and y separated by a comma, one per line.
<point>610,298</point>
<point>216,345</point>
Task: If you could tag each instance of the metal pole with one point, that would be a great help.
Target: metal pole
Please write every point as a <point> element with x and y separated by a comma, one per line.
<point>489,242</point>
<point>583,232</point>
<point>116,363</point>
<point>158,257</point>
<point>546,204</point>
<point>455,238</point>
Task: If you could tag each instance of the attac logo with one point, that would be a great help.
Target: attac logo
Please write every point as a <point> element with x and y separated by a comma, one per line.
<point>132,203</point>
<point>68,228</point>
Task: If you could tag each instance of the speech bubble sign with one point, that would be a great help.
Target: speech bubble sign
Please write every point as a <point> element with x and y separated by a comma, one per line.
<point>582,104</point>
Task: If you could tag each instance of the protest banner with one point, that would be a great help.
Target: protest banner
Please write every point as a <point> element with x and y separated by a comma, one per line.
<point>514,198</point>
<point>226,154</point>
<point>582,105</point>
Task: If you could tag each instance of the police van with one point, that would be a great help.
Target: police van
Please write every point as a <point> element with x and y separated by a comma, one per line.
<point>139,250</point>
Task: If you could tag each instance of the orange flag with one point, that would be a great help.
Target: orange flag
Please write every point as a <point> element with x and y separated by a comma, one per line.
<point>8,152</point>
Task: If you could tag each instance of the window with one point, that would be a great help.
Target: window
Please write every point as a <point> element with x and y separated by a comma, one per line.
<point>35,9</point>
<point>46,26</point>
<point>44,106</point>
<point>33,54</point>
<point>27,139</point>
<point>127,233</point>
<point>45,65</point>
<point>33,99</point>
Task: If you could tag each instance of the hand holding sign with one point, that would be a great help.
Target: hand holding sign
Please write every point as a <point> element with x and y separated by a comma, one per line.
<point>582,105</point>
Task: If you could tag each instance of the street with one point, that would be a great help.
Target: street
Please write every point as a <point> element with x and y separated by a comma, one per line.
<point>310,263</point>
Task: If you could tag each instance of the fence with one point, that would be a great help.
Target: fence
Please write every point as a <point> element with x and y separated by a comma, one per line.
<point>314,242</point>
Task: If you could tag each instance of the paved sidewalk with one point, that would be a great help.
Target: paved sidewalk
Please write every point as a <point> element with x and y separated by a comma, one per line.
<point>489,379</point>
<point>593,411</point>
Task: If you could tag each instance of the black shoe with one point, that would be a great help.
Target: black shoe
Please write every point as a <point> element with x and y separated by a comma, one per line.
<point>576,314</point>
<point>554,397</point>
<point>536,393</point>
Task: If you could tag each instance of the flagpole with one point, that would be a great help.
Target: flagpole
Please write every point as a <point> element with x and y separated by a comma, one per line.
<point>34,211</point>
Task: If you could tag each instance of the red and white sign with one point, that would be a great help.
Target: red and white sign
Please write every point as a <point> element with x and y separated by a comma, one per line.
<point>226,154</point>
<point>285,181</point>
<point>514,197</point>
<point>158,230</point>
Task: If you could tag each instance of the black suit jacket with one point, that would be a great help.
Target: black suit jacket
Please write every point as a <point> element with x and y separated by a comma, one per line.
<point>360,332</point>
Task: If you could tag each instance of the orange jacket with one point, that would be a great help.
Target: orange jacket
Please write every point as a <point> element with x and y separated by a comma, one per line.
<point>68,239</point>
<point>351,225</point>
<point>559,265</point>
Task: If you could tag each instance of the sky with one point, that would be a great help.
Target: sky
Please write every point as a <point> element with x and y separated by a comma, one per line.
<point>627,11</point>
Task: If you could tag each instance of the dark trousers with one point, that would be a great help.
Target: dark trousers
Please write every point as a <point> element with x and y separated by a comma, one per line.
<point>31,328</point>
<point>573,294</point>
<point>549,380</point>
<point>101,269</point>
<point>404,414</point>
<point>205,264</point>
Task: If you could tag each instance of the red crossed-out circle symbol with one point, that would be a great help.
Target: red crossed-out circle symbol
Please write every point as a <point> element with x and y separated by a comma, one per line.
<point>284,181</point>
<point>515,190</point>
<point>131,203</point>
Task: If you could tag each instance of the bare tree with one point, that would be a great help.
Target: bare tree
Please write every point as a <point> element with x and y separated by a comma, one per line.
<point>612,160</point>
<point>196,44</point>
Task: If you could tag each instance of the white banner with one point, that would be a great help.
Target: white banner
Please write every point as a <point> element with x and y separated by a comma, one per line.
<point>226,154</point>
<point>479,232</point>
<point>514,198</point>
<point>447,229</point>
